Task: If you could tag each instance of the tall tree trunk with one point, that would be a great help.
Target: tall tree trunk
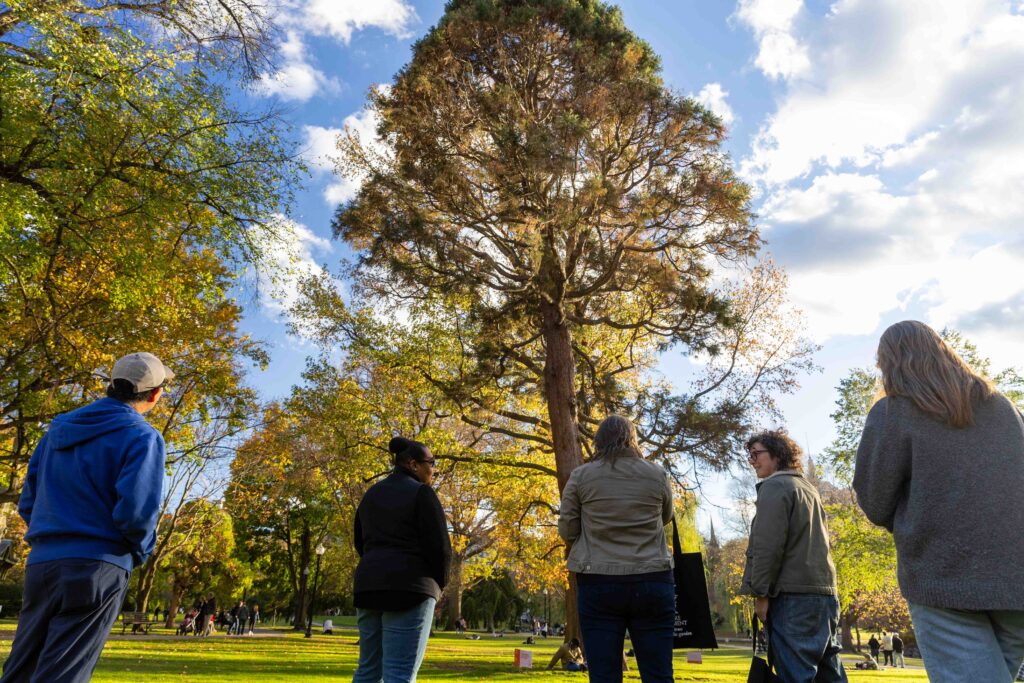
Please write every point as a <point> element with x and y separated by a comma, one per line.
<point>146,575</point>
<point>172,610</point>
<point>305,541</point>
<point>849,619</point>
<point>560,390</point>
<point>454,590</point>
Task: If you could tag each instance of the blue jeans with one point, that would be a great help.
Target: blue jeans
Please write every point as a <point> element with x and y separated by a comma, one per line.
<point>69,607</point>
<point>392,644</point>
<point>962,645</point>
<point>647,609</point>
<point>804,638</point>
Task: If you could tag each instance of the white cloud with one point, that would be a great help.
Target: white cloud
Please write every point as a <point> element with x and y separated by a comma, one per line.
<point>321,146</point>
<point>322,152</point>
<point>294,257</point>
<point>884,72</point>
<point>890,171</point>
<point>713,96</point>
<point>297,79</point>
<point>341,192</point>
<point>779,54</point>
<point>340,18</point>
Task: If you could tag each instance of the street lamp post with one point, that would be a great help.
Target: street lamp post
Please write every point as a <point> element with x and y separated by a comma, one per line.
<point>320,550</point>
<point>547,611</point>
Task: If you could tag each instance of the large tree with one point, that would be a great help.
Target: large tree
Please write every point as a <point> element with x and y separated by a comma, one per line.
<point>535,167</point>
<point>131,193</point>
<point>281,504</point>
<point>499,513</point>
<point>201,557</point>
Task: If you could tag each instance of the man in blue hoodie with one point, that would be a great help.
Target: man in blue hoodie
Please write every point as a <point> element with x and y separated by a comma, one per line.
<point>90,501</point>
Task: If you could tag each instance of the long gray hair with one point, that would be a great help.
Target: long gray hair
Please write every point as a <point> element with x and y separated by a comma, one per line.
<point>615,434</point>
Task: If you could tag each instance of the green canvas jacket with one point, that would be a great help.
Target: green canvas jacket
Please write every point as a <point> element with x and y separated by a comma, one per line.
<point>788,551</point>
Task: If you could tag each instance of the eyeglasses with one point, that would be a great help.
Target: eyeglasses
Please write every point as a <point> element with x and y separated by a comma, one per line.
<point>752,455</point>
<point>432,462</point>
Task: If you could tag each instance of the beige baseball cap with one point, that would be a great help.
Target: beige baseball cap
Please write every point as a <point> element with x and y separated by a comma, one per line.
<point>143,370</point>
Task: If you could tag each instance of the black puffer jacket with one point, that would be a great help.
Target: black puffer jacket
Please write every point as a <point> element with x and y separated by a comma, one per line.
<point>401,535</point>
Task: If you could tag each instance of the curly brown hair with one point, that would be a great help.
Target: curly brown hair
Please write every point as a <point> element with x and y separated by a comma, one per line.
<point>780,447</point>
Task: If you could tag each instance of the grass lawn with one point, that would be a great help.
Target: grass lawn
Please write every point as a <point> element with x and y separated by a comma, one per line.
<point>287,656</point>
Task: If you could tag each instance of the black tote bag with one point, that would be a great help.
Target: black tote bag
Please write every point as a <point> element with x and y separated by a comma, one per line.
<point>761,671</point>
<point>693,627</point>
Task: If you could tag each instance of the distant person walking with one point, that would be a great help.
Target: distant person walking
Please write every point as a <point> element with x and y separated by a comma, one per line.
<point>613,512</point>
<point>206,612</point>
<point>941,466</point>
<point>241,619</point>
<point>874,645</point>
<point>254,618</point>
<point>887,647</point>
<point>401,536</point>
<point>789,568</point>
<point>897,651</point>
<point>233,618</point>
<point>90,501</point>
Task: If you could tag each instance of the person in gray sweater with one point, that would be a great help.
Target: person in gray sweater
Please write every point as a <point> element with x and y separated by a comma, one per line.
<point>941,466</point>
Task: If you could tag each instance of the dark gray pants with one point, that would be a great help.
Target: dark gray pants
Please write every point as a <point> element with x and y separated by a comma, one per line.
<point>68,610</point>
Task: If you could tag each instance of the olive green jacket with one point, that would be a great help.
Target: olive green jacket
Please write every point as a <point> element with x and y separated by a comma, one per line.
<point>788,551</point>
<point>614,513</point>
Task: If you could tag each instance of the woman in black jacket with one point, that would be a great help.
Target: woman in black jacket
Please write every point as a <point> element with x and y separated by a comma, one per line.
<point>401,536</point>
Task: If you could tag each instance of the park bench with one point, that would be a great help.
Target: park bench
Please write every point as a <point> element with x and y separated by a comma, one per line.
<point>139,621</point>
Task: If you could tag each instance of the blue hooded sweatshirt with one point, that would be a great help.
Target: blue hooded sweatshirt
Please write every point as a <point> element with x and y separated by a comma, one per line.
<point>94,486</point>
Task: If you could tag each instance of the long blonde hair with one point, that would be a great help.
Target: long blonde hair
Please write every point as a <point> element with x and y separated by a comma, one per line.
<point>916,363</point>
<point>614,435</point>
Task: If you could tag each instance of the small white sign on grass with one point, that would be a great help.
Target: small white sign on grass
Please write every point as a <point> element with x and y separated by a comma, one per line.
<point>523,659</point>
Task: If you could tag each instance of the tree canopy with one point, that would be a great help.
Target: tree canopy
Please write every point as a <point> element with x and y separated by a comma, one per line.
<point>132,195</point>
<point>533,166</point>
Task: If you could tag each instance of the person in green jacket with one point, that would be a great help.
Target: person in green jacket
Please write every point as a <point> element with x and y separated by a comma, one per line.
<point>789,568</point>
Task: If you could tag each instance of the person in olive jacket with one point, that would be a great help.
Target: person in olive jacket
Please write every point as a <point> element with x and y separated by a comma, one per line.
<point>401,535</point>
<point>613,511</point>
<point>789,567</point>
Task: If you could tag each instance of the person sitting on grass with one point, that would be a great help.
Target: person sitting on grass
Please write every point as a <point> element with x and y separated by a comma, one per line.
<point>869,663</point>
<point>570,655</point>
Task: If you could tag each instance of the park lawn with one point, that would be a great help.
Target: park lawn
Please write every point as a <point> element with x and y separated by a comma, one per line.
<point>287,656</point>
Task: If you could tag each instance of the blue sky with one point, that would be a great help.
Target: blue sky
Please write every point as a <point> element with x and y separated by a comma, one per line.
<point>884,139</point>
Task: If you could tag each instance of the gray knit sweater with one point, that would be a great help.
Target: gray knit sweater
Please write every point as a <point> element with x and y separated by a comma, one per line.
<point>953,499</point>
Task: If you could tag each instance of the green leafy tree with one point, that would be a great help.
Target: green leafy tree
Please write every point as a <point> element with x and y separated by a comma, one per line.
<point>131,193</point>
<point>494,602</point>
<point>201,556</point>
<point>725,581</point>
<point>282,505</point>
<point>205,435</point>
<point>857,393</point>
<point>499,512</point>
<point>865,560</point>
